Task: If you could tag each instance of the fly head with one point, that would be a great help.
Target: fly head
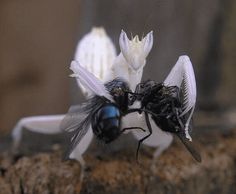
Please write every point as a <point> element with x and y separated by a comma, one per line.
<point>120,90</point>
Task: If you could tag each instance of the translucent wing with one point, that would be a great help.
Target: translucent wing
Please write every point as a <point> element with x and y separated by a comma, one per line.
<point>78,119</point>
<point>89,81</point>
<point>73,118</point>
<point>182,76</point>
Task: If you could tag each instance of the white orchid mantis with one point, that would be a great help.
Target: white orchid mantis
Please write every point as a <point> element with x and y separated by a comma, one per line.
<point>130,62</point>
<point>96,53</point>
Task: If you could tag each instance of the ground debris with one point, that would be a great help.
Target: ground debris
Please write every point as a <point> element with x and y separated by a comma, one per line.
<point>176,172</point>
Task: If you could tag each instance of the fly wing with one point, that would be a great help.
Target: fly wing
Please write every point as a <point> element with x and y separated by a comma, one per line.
<point>89,81</point>
<point>78,120</point>
<point>73,118</point>
<point>77,127</point>
<point>182,75</point>
<point>190,147</point>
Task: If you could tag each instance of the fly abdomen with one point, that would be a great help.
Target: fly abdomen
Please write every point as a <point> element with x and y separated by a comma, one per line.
<point>106,123</point>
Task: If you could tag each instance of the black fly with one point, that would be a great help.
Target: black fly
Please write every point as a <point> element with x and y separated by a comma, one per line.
<point>165,104</point>
<point>103,111</point>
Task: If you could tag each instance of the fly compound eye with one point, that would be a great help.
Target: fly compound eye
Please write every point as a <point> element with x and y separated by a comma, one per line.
<point>117,92</point>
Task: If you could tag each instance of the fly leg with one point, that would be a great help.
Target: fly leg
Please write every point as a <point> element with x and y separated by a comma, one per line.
<point>176,114</point>
<point>164,104</point>
<point>150,133</point>
<point>179,120</point>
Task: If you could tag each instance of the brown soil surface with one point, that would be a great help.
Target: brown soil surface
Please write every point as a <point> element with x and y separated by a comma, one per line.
<point>176,172</point>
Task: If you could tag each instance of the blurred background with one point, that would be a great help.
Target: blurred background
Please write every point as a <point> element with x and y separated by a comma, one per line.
<point>38,40</point>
